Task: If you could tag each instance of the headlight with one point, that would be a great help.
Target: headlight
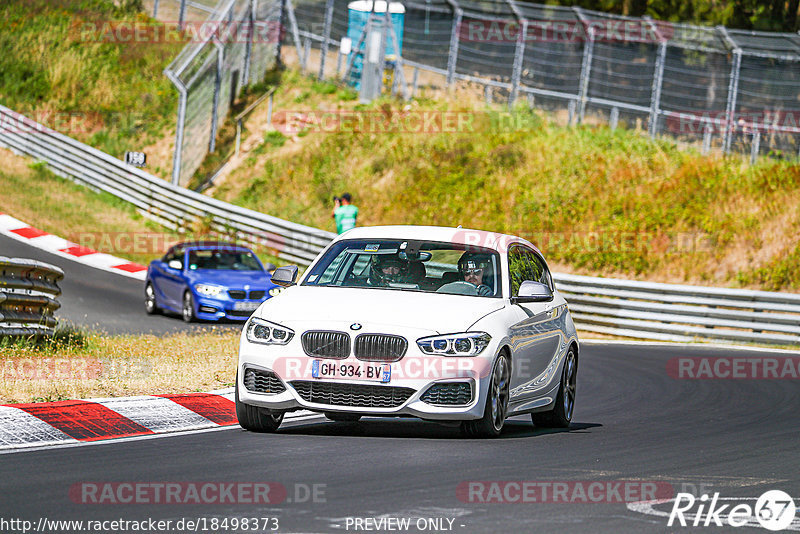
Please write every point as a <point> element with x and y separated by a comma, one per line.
<point>207,290</point>
<point>261,331</point>
<point>466,344</point>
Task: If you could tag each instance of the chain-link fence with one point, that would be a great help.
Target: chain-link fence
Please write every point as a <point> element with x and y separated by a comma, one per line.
<point>726,90</point>
<point>232,43</point>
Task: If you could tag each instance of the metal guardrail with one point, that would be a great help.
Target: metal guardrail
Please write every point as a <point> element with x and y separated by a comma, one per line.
<point>671,312</point>
<point>641,310</point>
<point>28,292</point>
<point>173,206</point>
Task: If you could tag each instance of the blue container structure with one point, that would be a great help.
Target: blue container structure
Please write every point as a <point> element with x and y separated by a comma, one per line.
<point>359,13</point>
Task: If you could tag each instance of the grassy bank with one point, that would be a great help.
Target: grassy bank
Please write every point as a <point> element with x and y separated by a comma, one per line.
<point>105,91</point>
<point>596,201</point>
<point>93,365</point>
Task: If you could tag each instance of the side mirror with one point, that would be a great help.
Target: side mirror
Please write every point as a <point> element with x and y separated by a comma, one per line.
<point>285,276</point>
<point>175,264</point>
<point>531,291</point>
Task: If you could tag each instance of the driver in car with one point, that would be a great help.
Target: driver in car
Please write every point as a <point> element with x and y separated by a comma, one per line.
<point>386,269</point>
<point>473,268</point>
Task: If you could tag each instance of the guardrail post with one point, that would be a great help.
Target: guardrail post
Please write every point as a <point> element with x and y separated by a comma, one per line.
<point>571,112</point>
<point>326,36</point>
<point>414,82</point>
<point>452,56</point>
<point>155,9</point>
<point>614,119</point>
<point>182,15</point>
<point>487,94</point>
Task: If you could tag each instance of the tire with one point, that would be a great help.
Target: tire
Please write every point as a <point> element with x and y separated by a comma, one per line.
<point>343,417</point>
<point>256,418</point>
<point>561,414</point>
<point>187,311</point>
<point>496,409</point>
<point>150,306</point>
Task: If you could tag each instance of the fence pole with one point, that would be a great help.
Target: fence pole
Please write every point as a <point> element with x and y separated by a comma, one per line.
<point>326,36</point>
<point>519,52</point>
<point>306,53</point>
<point>733,89</point>
<point>295,30</point>
<point>212,143</point>
<point>707,139</point>
<point>248,52</point>
<point>586,64</point>
<point>452,56</point>
<point>655,94</point>
<point>279,46</point>
<point>519,55</point>
<point>182,15</point>
<point>755,146</point>
<point>179,127</point>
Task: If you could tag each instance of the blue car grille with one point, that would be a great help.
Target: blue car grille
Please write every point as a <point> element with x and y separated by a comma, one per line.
<point>241,294</point>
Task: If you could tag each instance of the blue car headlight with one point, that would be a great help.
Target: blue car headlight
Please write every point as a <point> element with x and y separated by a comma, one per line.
<point>464,344</point>
<point>208,290</point>
<point>267,333</point>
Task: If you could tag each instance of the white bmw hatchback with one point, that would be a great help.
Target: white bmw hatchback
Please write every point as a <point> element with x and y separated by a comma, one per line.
<point>444,324</point>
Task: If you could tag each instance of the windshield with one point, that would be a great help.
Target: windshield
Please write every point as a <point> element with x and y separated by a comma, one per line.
<point>223,260</point>
<point>431,267</point>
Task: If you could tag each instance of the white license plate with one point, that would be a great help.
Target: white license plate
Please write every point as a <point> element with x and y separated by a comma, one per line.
<point>375,372</point>
<point>246,306</point>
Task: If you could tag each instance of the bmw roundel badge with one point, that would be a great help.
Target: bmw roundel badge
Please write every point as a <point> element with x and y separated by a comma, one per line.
<point>355,326</point>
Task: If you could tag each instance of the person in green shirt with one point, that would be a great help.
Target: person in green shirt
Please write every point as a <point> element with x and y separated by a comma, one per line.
<point>344,213</point>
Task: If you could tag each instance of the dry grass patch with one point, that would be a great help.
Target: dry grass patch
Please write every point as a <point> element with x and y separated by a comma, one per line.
<point>95,365</point>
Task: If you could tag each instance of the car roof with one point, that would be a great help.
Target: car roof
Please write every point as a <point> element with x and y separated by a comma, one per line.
<point>464,236</point>
<point>208,244</point>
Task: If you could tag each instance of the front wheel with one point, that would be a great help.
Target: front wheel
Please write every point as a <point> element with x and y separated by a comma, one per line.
<point>187,311</point>
<point>496,409</point>
<point>561,414</point>
<point>256,418</point>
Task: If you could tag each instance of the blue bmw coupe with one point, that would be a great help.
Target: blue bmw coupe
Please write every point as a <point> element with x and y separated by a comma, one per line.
<point>208,280</point>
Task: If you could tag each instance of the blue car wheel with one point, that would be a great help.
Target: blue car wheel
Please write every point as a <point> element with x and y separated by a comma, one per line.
<point>188,307</point>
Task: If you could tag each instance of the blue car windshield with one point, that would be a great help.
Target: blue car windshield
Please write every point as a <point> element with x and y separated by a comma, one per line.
<point>223,260</point>
<point>426,266</point>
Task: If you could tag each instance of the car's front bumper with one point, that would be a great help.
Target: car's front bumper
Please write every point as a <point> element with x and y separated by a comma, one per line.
<point>214,309</point>
<point>412,375</point>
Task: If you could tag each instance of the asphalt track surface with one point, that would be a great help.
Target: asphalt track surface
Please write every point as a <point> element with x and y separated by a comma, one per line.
<point>101,300</point>
<point>632,422</point>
